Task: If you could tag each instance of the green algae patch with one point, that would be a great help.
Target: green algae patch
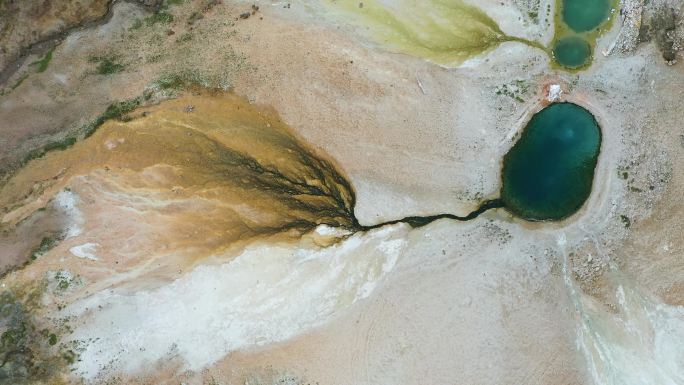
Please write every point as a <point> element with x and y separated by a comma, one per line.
<point>446,32</point>
<point>44,61</point>
<point>548,174</point>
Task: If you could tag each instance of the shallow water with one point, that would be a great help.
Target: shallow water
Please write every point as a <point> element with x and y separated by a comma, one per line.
<point>446,32</point>
<point>548,173</point>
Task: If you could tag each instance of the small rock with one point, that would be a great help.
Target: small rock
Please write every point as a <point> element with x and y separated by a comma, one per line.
<point>555,93</point>
<point>245,15</point>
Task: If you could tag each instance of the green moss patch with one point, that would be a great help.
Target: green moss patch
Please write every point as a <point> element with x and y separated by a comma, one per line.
<point>44,61</point>
<point>107,65</point>
<point>161,16</point>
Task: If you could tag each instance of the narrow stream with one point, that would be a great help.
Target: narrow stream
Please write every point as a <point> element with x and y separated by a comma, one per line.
<point>547,174</point>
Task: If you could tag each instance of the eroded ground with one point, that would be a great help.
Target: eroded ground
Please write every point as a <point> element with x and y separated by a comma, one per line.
<point>185,191</point>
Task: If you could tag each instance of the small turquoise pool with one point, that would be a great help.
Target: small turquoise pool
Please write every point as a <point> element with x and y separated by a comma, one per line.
<point>548,173</point>
<point>585,15</point>
<point>578,25</point>
<point>572,51</point>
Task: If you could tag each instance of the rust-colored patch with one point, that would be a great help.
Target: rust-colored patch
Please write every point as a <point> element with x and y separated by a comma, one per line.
<point>186,179</point>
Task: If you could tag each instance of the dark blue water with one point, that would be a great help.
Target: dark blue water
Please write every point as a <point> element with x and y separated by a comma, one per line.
<point>548,173</point>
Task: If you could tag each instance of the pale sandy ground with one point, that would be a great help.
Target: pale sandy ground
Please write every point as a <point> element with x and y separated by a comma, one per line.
<point>494,301</point>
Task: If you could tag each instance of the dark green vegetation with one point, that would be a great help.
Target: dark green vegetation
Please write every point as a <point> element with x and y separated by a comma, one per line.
<point>585,15</point>
<point>548,173</point>
<point>53,146</point>
<point>46,244</point>
<point>160,16</point>
<point>625,221</point>
<point>44,61</point>
<point>178,80</point>
<point>572,51</point>
<point>21,80</point>
<point>107,65</point>
<point>514,90</point>
<point>116,110</point>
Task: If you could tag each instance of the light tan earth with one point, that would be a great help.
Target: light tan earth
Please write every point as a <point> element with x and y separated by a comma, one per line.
<point>597,298</point>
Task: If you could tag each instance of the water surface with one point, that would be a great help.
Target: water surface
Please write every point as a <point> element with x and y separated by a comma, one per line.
<point>572,52</point>
<point>578,24</point>
<point>585,15</point>
<point>548,173</point>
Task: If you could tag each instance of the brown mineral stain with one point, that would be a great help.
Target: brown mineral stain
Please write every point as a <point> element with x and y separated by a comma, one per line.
<point>178,184</point>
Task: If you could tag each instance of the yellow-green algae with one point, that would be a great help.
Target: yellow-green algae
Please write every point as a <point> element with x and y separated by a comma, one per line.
<point>446,32</point>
